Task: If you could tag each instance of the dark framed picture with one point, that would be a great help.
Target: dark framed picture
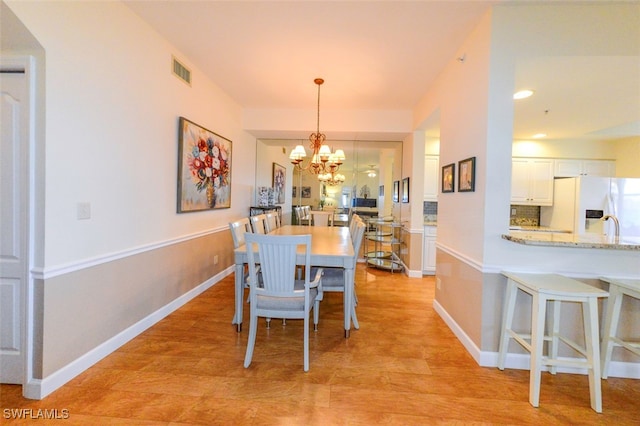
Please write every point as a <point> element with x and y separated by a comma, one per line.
<point>279,182</point>
<point>204,168</point>
<point>405,190</point>
<point>381,191</point>
<point>396,191</point>
<point>306,192</point>
<point>294,191</point>
<point>467,175</point>
<point>448,177</point>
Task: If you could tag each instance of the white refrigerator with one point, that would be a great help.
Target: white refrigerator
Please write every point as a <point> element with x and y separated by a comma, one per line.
<point>580,203</point>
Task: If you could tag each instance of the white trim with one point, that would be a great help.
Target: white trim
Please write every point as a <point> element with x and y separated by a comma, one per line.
<point>465,259</point>
<point>412,273</point>
<point>625,370</point>
<point>38,389</point>
<point>54,271</point>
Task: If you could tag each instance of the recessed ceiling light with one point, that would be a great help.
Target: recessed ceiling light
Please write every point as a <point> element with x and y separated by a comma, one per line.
<point>522,94</point>
<point>539,135</point>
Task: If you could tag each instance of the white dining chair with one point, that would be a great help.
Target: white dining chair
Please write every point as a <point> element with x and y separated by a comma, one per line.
<point>319,218</point>
<point>239,229</point>
<point>271,221</point>
<point>333,279</point>
<point>281,295</point>
<point>258,223</point>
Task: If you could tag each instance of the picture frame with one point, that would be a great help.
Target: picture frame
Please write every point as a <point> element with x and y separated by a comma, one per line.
<point>448,178</point>
<point>405,190</point>
<point>294,191</point>
<point>381,191</point>
<point>204,168</point>
<point>396,191</point>
<point>306,192</point>
<point>467,175</point>
<point>279,183</point>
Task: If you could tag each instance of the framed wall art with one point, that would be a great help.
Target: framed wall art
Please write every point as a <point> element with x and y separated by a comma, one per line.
<point>396,191</point>
<point>204,168</point>
<point>448,177</point>
<point>279,182</point>
<point>306,192</point>
<point>467,175</point>
<point>405,190</point>
<point>381,191</point>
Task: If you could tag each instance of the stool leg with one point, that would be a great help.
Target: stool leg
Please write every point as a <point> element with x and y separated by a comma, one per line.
<point>538,313</point>
<point>590,315</point>
<point>610,327</point>
<point>507,320</point>
<point>555,332</point>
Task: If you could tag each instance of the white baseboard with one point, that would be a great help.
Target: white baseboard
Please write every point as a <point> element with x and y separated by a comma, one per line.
<point>38,389</point>
<point>625,370</point>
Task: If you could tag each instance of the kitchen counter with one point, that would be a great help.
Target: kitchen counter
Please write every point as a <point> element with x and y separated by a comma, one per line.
<point>563,239</point>
<point>536,229</point>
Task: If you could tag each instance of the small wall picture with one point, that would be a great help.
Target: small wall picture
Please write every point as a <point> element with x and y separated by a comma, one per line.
<point>306,192</point>
<point>381,191</point>
<point>448,177</point>
<point>467,175</point>
<point>405,190</point>
<point>279,182</point>
<point>294,191</point>
<point>396,191</point>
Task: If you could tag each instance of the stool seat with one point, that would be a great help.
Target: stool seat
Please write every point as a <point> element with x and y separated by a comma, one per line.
<point>556,289</point>
<point>618,288</point>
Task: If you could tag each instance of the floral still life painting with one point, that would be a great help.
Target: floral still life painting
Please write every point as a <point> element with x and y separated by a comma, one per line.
<point>204,169</point>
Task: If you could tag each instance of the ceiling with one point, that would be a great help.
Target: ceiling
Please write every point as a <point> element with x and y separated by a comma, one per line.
<point>382,55</point>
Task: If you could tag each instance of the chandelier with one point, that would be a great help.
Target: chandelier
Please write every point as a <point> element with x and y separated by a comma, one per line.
<point>324,163</point>
<point>331,178</point>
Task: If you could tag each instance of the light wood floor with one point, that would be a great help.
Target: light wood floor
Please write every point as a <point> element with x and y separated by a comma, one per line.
<point>403,367</point>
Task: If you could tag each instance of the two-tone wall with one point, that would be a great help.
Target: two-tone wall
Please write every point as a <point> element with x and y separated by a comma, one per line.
<point>106,131</point>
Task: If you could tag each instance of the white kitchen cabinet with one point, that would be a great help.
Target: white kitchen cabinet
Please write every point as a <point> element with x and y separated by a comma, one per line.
<point>573,168</point>
<point>429,251</point>
<point>431,169</point>
<point>532,181</point>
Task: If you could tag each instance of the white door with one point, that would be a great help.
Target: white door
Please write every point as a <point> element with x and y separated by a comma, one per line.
<point>13,222</point>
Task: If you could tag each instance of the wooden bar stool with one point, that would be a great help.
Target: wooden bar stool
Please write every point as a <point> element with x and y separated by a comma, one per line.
<point>618,288</point>
<point>556,289</point>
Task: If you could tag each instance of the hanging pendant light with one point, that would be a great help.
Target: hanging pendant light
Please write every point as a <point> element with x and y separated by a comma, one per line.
<point>323,160</point>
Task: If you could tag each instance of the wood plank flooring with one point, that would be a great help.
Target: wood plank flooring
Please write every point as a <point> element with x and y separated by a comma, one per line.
<point>403,367</point>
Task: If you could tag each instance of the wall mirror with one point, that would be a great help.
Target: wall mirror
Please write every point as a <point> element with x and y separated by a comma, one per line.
<point>368,169</point>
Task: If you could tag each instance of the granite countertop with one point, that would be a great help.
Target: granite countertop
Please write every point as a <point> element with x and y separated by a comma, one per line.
<point>564,239</point>
<point>535,228</point>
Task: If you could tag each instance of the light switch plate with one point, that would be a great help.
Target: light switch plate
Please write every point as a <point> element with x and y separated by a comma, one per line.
<point>84,211</point>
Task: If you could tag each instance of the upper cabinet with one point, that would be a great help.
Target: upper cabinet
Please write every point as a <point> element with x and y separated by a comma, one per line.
<point>574,168</point>
<point>532,181</point>
<point>431,168</point>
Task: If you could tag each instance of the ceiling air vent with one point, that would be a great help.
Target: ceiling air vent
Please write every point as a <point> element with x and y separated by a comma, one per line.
<point>182,72</point>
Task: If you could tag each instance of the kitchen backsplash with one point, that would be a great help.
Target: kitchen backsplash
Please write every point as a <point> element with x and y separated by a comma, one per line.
<point>430,211</point>
<point>525,215</point>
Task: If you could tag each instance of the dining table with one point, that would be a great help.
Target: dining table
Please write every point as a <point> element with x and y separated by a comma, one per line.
<point>330,247</point>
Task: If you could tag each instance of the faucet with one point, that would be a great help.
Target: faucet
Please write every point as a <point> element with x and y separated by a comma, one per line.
<point>615,221</point>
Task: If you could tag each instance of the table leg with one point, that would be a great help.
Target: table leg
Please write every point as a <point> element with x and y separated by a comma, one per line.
<point>348,299</point>
<point>239,287</point>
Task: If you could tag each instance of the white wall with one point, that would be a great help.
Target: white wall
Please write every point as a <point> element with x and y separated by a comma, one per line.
<point>112,108</point>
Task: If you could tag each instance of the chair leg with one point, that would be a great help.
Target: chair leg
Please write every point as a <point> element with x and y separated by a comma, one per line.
<point>538,313</point>
<point>306,342</point>
<point>354,317</point>
<point>590,316</point>
<point>316,314</point>
<point>610,328</point>
<point>253,328</point>
<point>507,319</point>
<point>555,332</point>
